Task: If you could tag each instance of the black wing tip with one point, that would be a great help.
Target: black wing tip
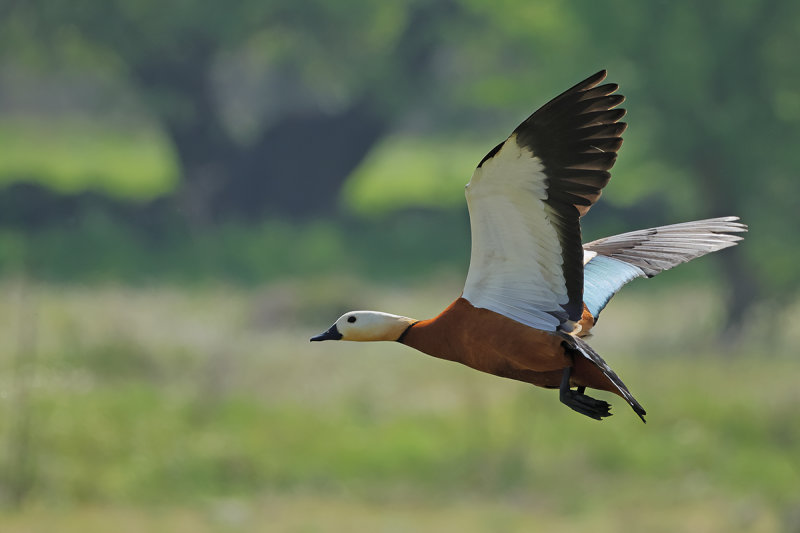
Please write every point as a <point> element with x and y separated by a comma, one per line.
<point>600,113</point>
<point>596,78</point>
<point>589,83</point>
<point>582,112</point>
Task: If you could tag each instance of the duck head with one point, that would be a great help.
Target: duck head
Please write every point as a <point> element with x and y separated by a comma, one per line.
<point>366,326</point>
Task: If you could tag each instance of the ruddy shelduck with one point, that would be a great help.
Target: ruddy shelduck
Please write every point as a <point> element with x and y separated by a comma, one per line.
<point>533,291</point>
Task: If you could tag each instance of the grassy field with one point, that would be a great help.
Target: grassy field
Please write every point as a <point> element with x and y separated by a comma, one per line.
<point>167,409</point>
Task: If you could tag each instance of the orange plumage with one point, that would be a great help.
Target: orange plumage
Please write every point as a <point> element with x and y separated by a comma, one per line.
<point>489,342</point>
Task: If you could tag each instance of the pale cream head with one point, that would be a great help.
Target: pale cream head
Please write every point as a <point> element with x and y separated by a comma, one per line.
<point>366,326</point>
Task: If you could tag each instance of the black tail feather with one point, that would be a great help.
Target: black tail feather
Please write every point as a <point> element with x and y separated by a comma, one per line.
<point>579,345</point>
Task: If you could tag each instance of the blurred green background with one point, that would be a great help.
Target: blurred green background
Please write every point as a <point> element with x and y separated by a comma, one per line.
<point>188,191</point>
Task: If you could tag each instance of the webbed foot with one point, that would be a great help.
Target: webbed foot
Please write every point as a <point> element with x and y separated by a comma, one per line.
<point>578,401</point>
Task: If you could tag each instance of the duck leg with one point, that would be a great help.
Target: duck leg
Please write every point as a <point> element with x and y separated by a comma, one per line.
<point>578,401</point>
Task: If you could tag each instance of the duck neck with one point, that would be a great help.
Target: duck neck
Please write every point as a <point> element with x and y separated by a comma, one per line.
<point>401,338</point>
<point>432,336</point>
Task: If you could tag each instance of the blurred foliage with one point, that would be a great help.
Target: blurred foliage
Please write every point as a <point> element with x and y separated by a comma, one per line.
<point>404,172</point>
<point>96,248</point>
<point>217,108</point>
<point>134,164</point>
<point>378,248</point>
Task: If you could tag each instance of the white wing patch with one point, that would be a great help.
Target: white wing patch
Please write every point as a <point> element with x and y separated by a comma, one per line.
<point>515,266</point>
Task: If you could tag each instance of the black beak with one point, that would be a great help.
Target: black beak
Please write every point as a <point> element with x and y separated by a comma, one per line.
<point>330,335</point>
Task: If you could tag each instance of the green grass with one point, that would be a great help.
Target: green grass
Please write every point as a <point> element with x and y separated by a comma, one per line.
<point>208,410</point>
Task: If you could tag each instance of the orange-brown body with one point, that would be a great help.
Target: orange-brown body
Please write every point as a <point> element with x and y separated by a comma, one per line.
<point>492,343</point>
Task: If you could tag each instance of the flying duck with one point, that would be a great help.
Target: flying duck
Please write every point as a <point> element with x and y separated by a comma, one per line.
<point>533,291</point>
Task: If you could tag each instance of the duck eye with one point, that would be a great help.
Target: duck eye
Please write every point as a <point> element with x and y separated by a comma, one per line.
<point>351,319</point>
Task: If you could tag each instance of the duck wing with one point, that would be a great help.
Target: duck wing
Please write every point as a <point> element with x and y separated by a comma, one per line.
<point>614,261</point>
<point>525,202</point>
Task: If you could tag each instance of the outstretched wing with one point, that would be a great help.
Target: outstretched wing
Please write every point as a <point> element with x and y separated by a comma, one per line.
<point>614,261</point>
<point>526,198</point>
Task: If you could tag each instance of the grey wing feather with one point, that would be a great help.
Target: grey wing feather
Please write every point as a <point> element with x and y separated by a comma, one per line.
<point>654,250</point>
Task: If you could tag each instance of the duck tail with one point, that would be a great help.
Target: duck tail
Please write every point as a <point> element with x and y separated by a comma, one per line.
<point>579,345</point>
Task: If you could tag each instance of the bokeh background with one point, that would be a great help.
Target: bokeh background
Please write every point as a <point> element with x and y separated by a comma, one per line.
<point>189,190</point>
